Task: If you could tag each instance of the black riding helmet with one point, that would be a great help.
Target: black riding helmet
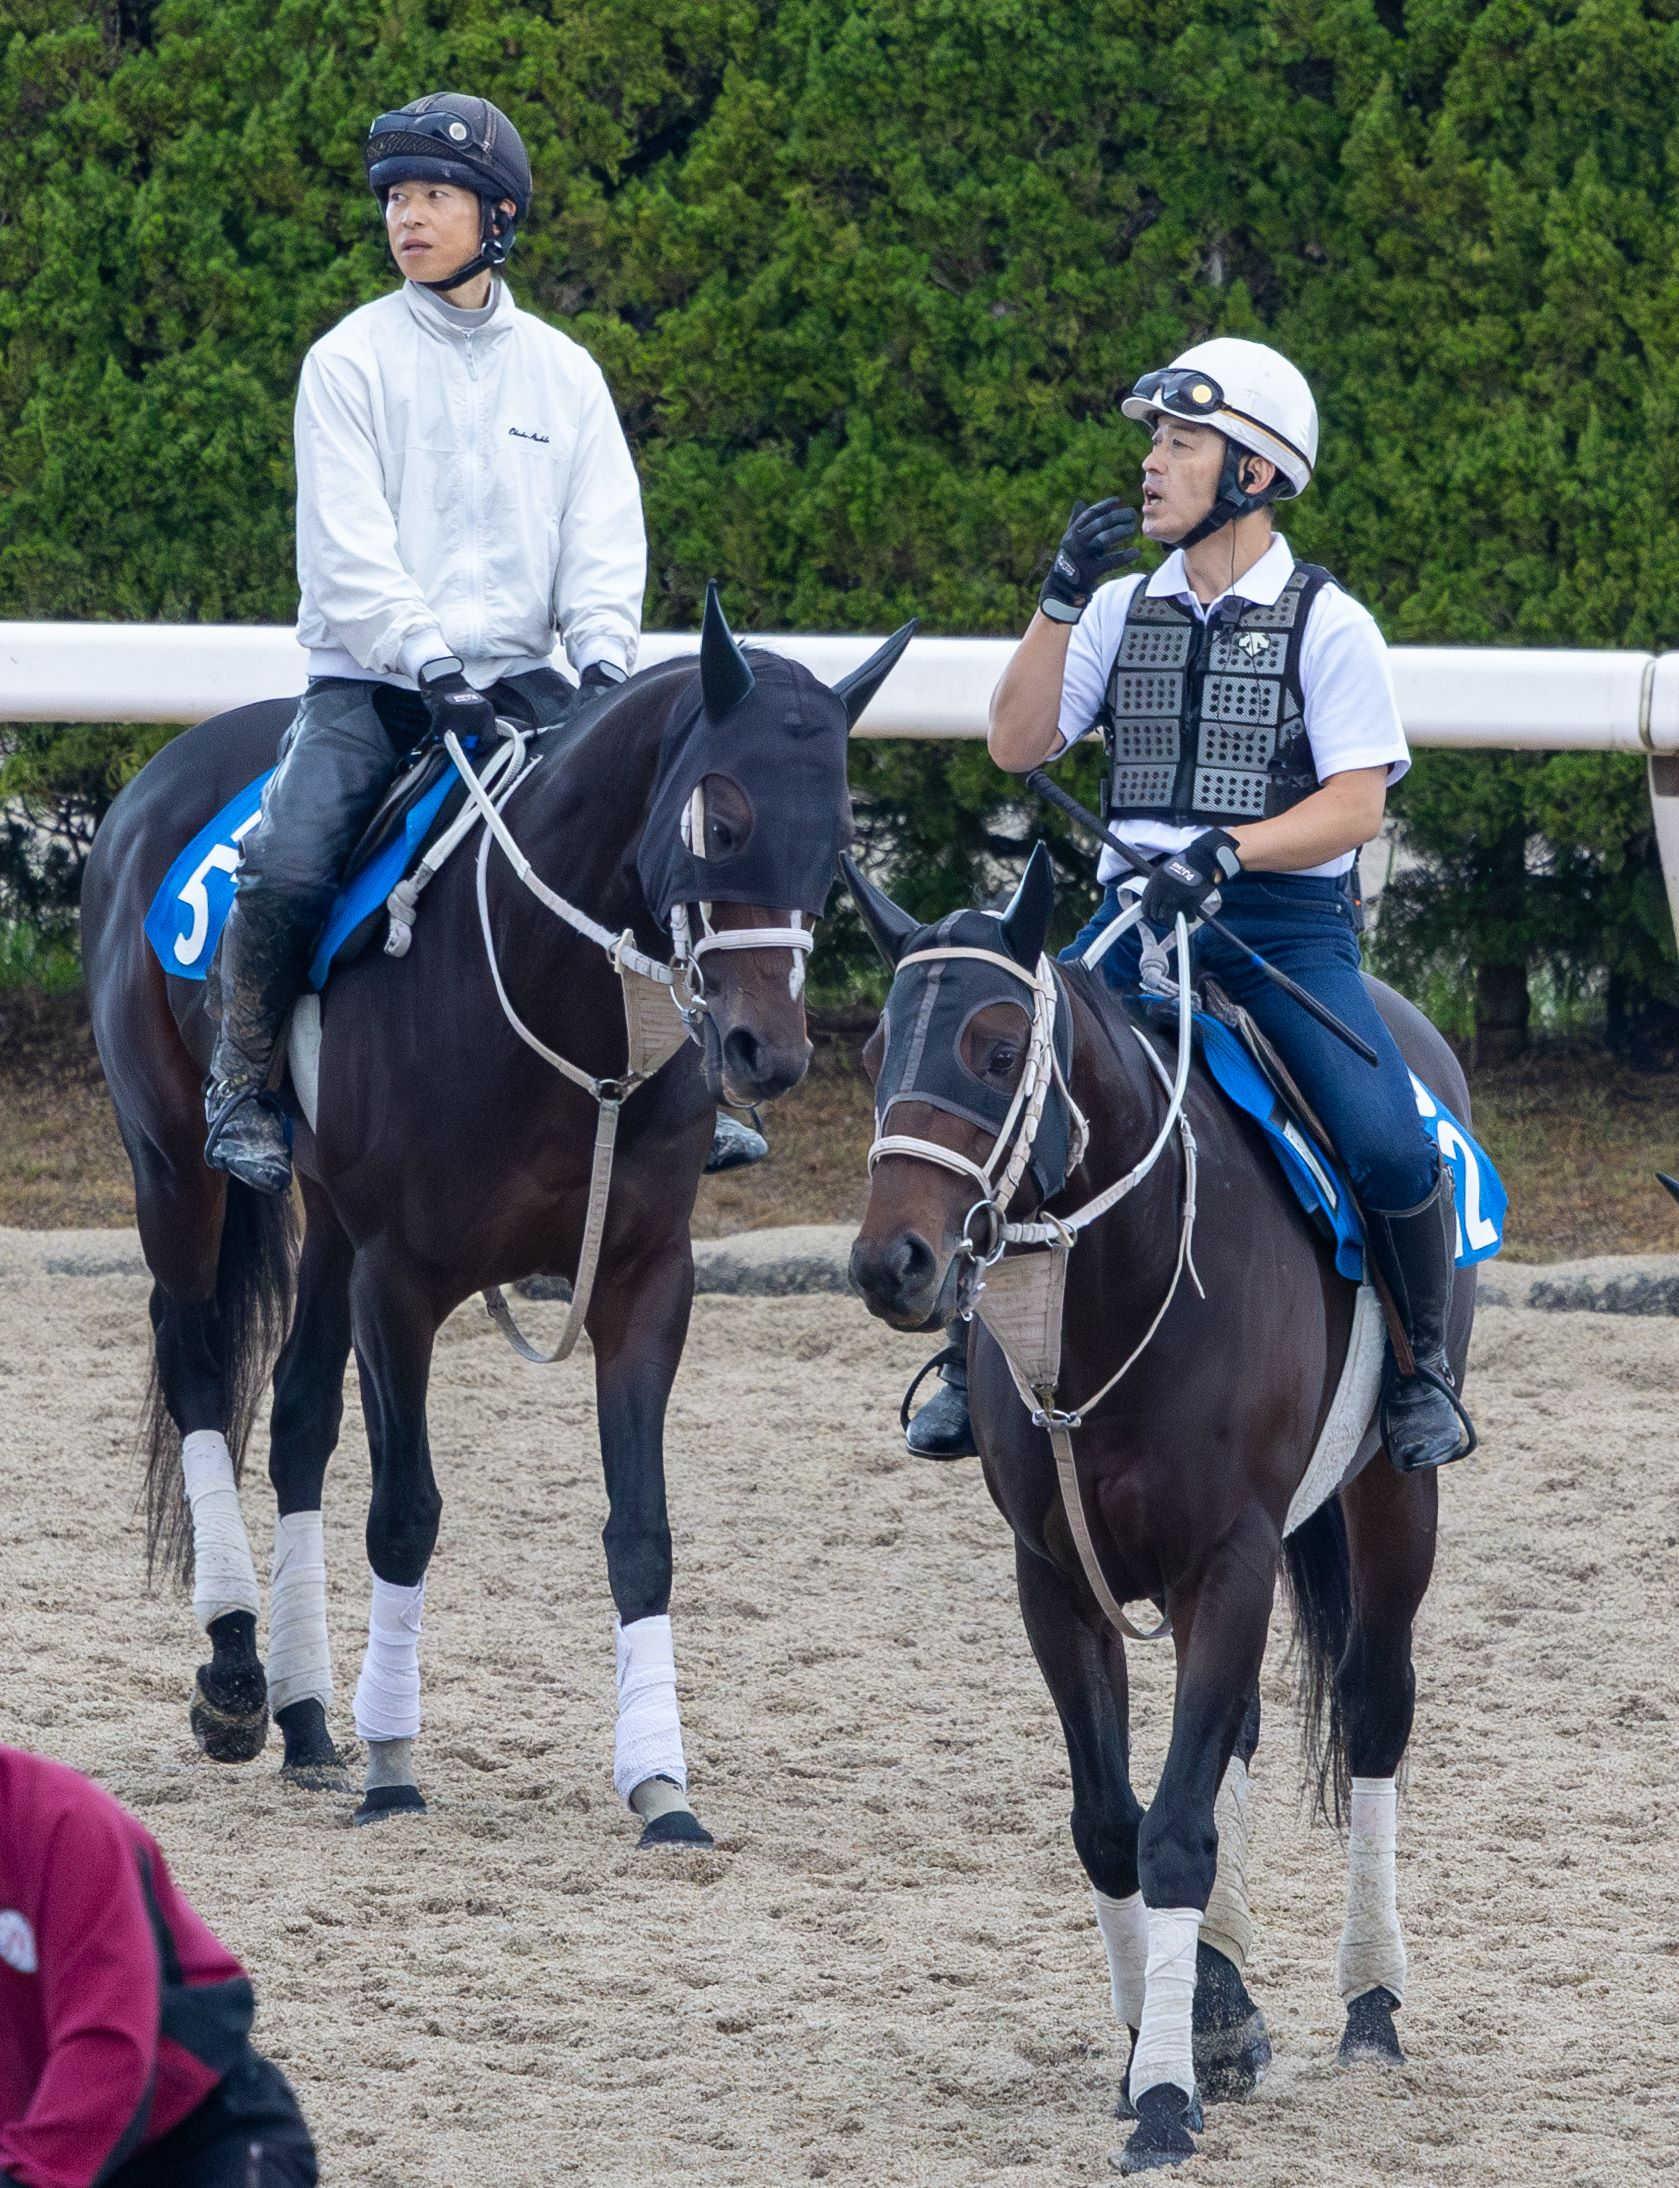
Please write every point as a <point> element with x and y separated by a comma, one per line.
<point>450,137</point>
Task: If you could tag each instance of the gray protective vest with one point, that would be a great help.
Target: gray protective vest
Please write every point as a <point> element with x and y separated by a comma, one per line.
<point>1203,721</point>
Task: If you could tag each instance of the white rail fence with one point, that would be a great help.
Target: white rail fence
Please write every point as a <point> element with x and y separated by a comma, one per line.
<point>1492,698</point>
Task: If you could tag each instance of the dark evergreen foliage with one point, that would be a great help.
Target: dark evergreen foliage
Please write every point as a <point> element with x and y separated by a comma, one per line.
<point>868,278</point>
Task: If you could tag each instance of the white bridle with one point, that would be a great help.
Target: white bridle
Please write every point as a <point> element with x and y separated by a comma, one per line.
<point>651,1038</point>
<point>691,949</point>
<point>998,1176</point>
<point>1034,1363</point>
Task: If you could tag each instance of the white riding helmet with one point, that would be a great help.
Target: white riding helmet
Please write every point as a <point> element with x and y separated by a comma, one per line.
<point>1251,393</point>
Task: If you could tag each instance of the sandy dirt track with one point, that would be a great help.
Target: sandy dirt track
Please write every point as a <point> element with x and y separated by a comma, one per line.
<point>887,1971</point>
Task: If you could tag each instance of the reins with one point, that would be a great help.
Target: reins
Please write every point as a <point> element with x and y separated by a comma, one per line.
<point>1020,1297</point>
<point>664,1004</point>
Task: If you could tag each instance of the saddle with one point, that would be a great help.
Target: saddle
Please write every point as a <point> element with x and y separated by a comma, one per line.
<point>1251,1075</point>
<point>186,915</point>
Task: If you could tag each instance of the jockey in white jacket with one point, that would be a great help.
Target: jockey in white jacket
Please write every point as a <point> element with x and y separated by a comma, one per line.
<point>464,497</point>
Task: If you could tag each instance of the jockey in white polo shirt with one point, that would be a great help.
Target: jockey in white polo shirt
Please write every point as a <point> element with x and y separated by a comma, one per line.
<point>1252,734</point>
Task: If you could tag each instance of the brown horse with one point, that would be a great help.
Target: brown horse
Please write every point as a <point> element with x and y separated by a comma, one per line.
<point>1185,1471</point>
<point>451,1156</point>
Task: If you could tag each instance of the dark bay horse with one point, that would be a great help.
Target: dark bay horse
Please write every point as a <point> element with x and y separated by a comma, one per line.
<point>450,1157</point>
<point>1185,1471</point>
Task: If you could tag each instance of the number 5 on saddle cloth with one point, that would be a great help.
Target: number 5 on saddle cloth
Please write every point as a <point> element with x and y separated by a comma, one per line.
<point>190,909</point>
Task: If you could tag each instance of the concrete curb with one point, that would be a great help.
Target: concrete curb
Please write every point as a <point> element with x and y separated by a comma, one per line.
<point>805,1258</point>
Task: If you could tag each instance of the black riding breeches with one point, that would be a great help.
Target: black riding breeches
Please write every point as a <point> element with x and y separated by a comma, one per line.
<point>248,2133</point>
<point>337,761</point>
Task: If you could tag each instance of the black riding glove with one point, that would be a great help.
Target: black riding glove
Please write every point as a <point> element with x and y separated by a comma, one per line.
<point>452,703</point>
<point>600,676</point>
<point>1184,880</point>
<point>1093,546</point>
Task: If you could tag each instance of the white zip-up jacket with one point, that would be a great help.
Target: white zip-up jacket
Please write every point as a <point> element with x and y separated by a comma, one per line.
<point>464,487</point>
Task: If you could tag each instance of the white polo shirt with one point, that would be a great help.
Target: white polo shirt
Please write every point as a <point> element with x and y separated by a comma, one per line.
<point>1351,715</point>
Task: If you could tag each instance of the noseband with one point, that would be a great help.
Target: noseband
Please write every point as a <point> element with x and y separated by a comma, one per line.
<point>1019,1299</point>
<point>998,1177</point>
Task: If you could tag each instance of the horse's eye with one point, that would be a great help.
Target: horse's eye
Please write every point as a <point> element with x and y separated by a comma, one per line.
<point>1002,1059</point>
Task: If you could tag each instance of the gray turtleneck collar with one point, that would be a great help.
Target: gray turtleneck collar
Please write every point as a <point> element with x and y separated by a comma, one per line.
<point>450,318</point>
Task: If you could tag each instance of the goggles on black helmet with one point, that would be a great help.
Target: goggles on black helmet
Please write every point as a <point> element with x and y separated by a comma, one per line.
<point>447,138</point>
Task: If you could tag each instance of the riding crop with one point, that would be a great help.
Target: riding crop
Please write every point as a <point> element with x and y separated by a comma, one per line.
<point>1053,793</point>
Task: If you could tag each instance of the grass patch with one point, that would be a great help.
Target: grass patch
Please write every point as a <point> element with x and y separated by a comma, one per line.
<point>33,963</point>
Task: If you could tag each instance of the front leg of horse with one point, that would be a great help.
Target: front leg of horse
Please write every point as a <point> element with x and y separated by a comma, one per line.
<point>1232,2043</point>
<point>638,1324</point>
<point>1219,1625</point>
<point>395,1325</point>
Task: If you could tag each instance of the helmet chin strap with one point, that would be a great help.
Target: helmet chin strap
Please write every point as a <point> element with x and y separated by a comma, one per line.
<point>495,240</point>
<point>1231,500</point>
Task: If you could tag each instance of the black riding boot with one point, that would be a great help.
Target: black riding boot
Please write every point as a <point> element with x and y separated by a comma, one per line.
<point>1423,1422</point>
<point>734,1146</point>
<point>260,967</point>
<point>942,1429</point>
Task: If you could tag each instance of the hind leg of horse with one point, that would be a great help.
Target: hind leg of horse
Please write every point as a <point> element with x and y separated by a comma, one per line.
<point>1219,1622</point>
<point>180,1209</point>
<point>303,1433</point>
<point>638,1322</point>
<point>394,1323</point>
<point>1390,1536</point>
<point>1232,2044</point>
<point>1086,1677</point>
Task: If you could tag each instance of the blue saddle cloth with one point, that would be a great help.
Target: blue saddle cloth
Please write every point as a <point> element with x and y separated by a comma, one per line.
<point>1317,1180</point>
<point>187,914</point>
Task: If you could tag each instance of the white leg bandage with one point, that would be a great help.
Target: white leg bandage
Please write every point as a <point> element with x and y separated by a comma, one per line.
<point>1372,1950</point>
<point>649,1736</point>
<point>388,1691</point>
<point>224,1576</point>
<point>1227,1925</point>
<point>1124,1927</point>
<point>299,1660</point>
<point>1165,2050</point>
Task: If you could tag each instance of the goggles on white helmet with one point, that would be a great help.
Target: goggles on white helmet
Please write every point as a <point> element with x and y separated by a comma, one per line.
<point>1256,399</point>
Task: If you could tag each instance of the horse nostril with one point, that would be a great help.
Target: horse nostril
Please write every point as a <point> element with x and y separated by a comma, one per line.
<point>908,1263</point>
<point>743,1055</point>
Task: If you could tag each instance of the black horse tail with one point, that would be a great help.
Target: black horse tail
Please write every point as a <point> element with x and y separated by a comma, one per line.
<point>1320,1588</point>
<point>256,1267</point>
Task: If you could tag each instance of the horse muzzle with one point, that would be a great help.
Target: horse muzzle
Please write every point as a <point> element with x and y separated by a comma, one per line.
<point>901,1280</point>
<point>745,1066</point>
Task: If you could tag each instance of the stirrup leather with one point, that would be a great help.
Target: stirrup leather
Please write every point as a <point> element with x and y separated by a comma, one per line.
<point>951,1356</point>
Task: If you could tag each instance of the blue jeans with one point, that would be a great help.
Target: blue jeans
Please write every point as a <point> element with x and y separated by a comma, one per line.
<point>1303,924</point>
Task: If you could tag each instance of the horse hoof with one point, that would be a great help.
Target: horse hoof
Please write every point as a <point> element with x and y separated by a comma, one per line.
<point>1232,2044</point>
<point>233,1729</point>
<point>312,1763</point>
<point>676,1827</point>
<point>1195,2119</point>
<point>382,1801</point>
<point>1164,2133</point>
<point>1370,2038</point>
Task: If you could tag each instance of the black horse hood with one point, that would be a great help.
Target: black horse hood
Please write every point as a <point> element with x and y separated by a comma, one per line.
<point>923,1049</point>
<point>782,745</point>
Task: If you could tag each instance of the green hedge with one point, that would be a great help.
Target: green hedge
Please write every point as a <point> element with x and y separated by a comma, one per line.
<point>868,278</point>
